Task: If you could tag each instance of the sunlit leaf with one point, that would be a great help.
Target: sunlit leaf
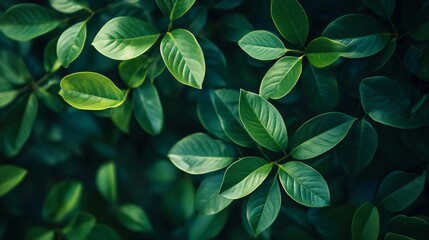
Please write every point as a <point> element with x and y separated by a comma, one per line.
<point>174,9</point>
<point>134,218</point>
<point>10,177</point>
<point>106,181</point>
<point>71,42</point>
<point>262,45</point>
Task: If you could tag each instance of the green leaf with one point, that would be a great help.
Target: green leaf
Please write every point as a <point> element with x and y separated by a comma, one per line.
<point>50,59</point>
<point>322,52</point>
<point>395,236</point>
<point>207,115</point>
<point>408,227</point>
<point>367,36</point>
<point>263,206</point>
<point>123,38</point>
<point>320,134</point>
<point>262,45</point>
<point>69,6</point>
<point>263,121</point>
<point>290,20</point>
<point>281,77</point>
<point>103,232</point>
<point>13,69</point>
<point>226,105</point>
<point>207,199</point>
<point>121,116</point>
<point>133,72</point>
<point>235,26</point>
<point>80,227</point>
<point>320,88</point>
<point>358,148</point>
<point>365,224</point>
<point>7,97</point>
<point>62,200</point>
<point>398,190</point>
<point>304,184</point>
<point>384,8</point>
<point>39,233</point>
<point>174,9</point>
<point>26,21</point>
<point>207,226</point>
<point>148,109</point>
<point>106,181</point>
<point>183,57</point>
<point>199,154</point>
<point>134,218</point>
<point>10,177</point>
<point>71,43</point>
<point>90,91</point>
<point>244,176</point>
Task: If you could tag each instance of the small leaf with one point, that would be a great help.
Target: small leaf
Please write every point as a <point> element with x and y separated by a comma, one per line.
<point>148,109</point>
<point>103,232</point>
<point>383,8</point>
<point>106,181</point>
<point>290,20</point>
<point>133,72</point>
<point>207,115</point>
<point>90,91</point>
<point>124,38</point>
<point>281,77</point>
<point>68,6</point>
<point>80,227</point>
<point>244,176</point>
<point>322,51</point>
<point>199,154</point>
<point>71,43</point>
<point>262,45</point>
<point>263,121</point>
<point>134,218</point>
<point>10,177</point>
<point>13,69</point>
<point>121,116</point>
<point>207,199</point>
<point>365,223</point>
<point>26,21</point>
<point>304,184</point>
<point>39,233</point>
<point>263,206</point>
<point>62,200</point>
<point>7,97</point>
<point>183,57</point>
<point>174,9</point>
<point>50,59</point>
<point>320,134</point>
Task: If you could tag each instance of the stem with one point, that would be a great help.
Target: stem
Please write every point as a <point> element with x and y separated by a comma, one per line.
<point>296,51</point>
<point>282,158</point>
<point>170,26</point>
<point>263,153</point>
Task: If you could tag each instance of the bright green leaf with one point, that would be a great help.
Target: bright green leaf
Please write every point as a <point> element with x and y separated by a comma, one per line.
<point>62,200</point>
<point>262,45</point>
<point>134,218</point>
<point>207,199</point>
<point>80,227</point>
<point>69,6</point>
<point>10,177</point>
<point>71,43</point>
<point>174,9</point>
<point>106,181</point>
<point>322,51</point>
<point>365,223</point>
<point>148,109</point>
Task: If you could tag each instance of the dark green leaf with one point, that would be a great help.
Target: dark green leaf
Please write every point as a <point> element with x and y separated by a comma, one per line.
<point>384,8</point>
<point>80,227</point>
<point>134,218</point>
<point>207,199</point>
<point>365,223</point>
<point>39,233</point>
<point>106,181</point>
<point>121,116</point>
<point>8,96</point>
<point>262,45</point>
<point>395,236</point>
<point>174,9</point>
<point>62,200</point>
<point>207,115</point>
<point>10,177</point>
<point>235,26</point>
<point>102,232</point>
<point>13,68</point>
<point>133,72</point>
<point>322,51</point>
<point>408,227</point>
<point>69,6</point>
<point>50,59</point>
<point>207,227</point>
<point>148,109</point>
<point>71,43</point>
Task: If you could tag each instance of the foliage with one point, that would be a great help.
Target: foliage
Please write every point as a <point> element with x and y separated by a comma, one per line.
<point>229,119</point>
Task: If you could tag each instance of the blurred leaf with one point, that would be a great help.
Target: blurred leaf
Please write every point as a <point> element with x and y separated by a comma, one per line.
<point>10,177</point>
<point>50,59</point>
<point>71,43</point>
<point>408,228</point>
<point>262,45</point>
<point>216,65</point>
<point>148,108</point>
<point>207,115</point>
<point>235,27</point>
<point>13,68</point>
<point>394,236</point>
<point>106,181</point>
<point>133,72</point>
<point>207,226</point>
<point>134,218</point>
<point>80,227</point>
<point>384,8</point>
<point>207,199</point>
<point>102,232</point>
<point>174,9</point>
<point>121,116</point>
<point>7,97</point>
<point>69,6</point>
<point>39,233</point>
<point>365,223</point>
<point>228,4</point>
<point>322,52</point>
<point>414,13</point>
<point>62,200</point>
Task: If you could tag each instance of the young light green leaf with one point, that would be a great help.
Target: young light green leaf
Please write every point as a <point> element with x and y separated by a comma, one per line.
<point>69,6</point>
<point>62,200</point>
<point>124,38</point>
<point>71,43</point>
<point>290,20</point>
<point>183,57</point>
<point>134,218</point>
<point>383,8</point>
<point>262,45</point>
<point>103,232</point>
<point>398,190</point>
<point>304,184</point>
<point>10,177</point>
<point>322,51</point>
<point>263,121</point>
<point>207,199</point>
<point>26,21</point>
<point>90,91</point>
<point>226,105</point>
<point>244,176</point>
<point>106,181</point>
<point>281,77</point>
<point>133,72</point>
<point>199,154</point>
<point>174,9</point>
<point>148,108</point>
<point>80,227</point>
<point>263,206</point>
<point>365,224</point>
<point>320,134</point>
<point>7,97</point>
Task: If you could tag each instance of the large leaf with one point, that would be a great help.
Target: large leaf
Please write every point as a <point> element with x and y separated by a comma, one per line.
<point>263,121</point>
<point>244,176</point>
<point>384,8</point>
<point>148,109</point>
<point>408,228</point>
<point>198,154</point>
<point>106,181</point>
<point>124,38</point>
<point>62,200</point>
<point>322,51</point>
<point>358,147</point>
<point>90,91</point>
<point>134,218</point>
<point>69,6</point>
<point>262,45</point>
<point>80,227</point>
<point>398,190</point>
<point>320,134</point>
<point>365,224</point>
<point>263,206</point>
<point>174,9</point>
<point>304,184</point>
<point>10,177</point>
<point>26,21</point>
<point>291,20</point>
<point>367,36</point>
<point>207,199</point>
<point>320,88</point>
<point>183,57</point>
<point>71,42</point>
